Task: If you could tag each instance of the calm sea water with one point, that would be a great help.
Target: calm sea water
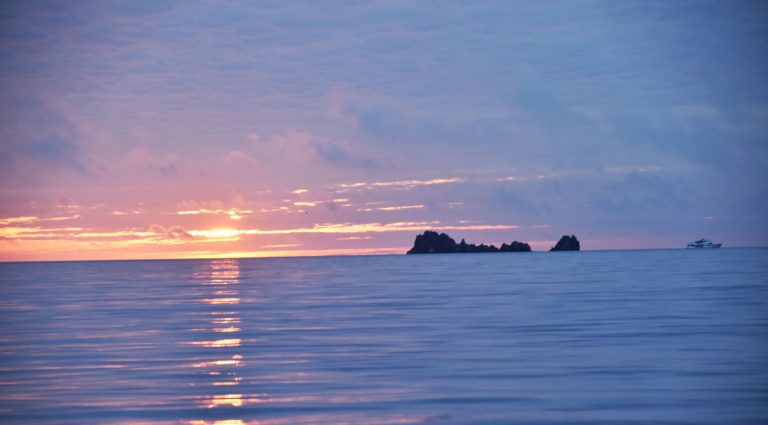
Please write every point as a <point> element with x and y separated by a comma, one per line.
<point>613,337</point>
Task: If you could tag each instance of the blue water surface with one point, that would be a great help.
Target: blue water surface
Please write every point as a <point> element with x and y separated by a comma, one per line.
<point>611,337</point>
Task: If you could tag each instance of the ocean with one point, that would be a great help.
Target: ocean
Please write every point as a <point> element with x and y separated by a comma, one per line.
<point>592,337</point>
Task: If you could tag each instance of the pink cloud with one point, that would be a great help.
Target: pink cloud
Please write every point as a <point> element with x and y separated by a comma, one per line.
<point>292,145</point>
<point>173,232</point>
<point>240,158</point>
<point>165,164</point>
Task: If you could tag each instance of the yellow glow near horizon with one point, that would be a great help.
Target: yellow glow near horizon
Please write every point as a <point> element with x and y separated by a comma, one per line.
<point>222,422</point>
<point>216,233</point>
<point>27,237</point>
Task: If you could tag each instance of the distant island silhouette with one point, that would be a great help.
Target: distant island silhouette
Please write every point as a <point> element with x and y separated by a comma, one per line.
<point>567,243</point>
<point>434,243</point>
<point>440,243</point>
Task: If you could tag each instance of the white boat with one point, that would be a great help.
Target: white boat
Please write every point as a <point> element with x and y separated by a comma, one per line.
<point>703,244</point>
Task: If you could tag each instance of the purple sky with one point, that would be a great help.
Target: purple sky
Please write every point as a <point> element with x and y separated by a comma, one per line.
<point>194,129</point>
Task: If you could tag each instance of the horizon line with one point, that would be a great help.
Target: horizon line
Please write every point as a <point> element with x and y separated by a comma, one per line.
<point>361,254</point>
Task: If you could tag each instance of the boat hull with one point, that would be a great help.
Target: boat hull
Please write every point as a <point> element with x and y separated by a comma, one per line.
<point>713,246</point>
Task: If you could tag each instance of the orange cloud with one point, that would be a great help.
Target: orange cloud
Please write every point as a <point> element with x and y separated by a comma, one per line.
<point>342,228</point>
<point>13,220</point>
<point>212,208</point>
<point>34,219</point>
<point>174,232</point>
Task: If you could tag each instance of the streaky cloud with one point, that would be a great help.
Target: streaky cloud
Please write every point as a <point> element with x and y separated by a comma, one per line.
<point>341,228</point>
<point>401,184</point>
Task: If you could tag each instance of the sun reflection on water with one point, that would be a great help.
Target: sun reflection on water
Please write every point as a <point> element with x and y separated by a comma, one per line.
<point>229,342</point>
<point>234,400</point>
<point>225,275</point>
<point>219,365</point>
<point>227,329</point>
<point>236,360</point>
<point>216,301</point>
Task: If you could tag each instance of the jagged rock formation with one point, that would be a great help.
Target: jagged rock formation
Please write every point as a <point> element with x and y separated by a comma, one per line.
<point>434,243</point>
<point>567,243</point>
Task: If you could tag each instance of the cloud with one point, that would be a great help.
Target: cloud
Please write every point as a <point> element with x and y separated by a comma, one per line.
<point>528,178</point>
<point>306,203</point>
<point>134,212</point>
<point>292,145</point>
<point>210,208</point>
<point>643,192</point>
<point>166,165</point>
<point>400,184</point>
<point>304,147</point>
<point>22,233</point>
<point>336,155</point>
<point>15,220</point>
<point>240,158</point>
<point>520,201</point>
<point>393,208</point>
<point>282,245</point>
<point>55,150</point>
<point>376,99</point>
<point>173,232</point>
<point>696,111</point>
<point>34,219</point>
<point>342,228</point>
<point>49,155</point>
<point>412,128</point>
<point>354,238</point>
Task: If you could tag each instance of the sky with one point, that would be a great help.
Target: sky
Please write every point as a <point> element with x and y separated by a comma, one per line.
<point>196,129</point>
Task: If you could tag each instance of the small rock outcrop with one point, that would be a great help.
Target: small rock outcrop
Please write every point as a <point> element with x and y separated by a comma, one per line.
<point>515,246</point>
<point>567,243</point>
<point>434,243</point>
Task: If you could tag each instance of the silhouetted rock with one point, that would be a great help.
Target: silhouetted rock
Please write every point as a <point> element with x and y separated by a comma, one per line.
<point>567,243</point>
<point>515,247</point>
<point>434,243</point>
<point>462,247</point>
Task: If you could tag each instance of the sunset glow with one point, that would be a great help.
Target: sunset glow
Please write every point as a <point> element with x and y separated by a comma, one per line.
<point>282,130</point>
<point>510,211</point>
